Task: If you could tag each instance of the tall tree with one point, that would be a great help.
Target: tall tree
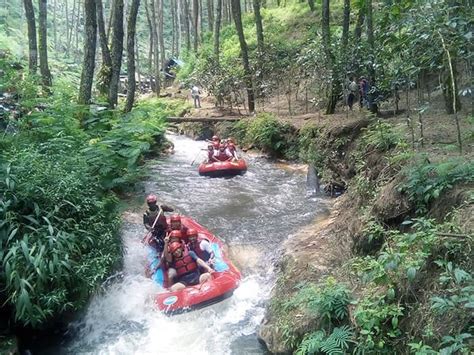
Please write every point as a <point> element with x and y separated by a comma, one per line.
<point>345,25</point>
<point>90,43</point>
<point>217,28</point>
<point>210,15</point>
<point>131,25</point>
<point>105,72</point>
<point>311,5</point>
<point>236,12</point>
<point>196,23</point>
<point>152,40</point>
<point>326,42</point>
<point>161,35</point>
<point>187,29</point>
<point>371,41</point>
<point>32,46</point>
<point>43,43</point>
<point>116,51</point>
<point>259,25</point>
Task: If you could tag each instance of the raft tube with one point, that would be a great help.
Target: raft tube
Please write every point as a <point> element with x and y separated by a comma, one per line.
<point>225,279</point>
<point>223,168</point>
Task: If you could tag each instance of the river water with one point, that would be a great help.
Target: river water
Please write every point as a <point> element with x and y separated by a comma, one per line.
<point>253,214</point>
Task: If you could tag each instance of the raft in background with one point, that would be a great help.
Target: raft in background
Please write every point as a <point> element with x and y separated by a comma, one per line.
<point>223,168</point>
<point>224,280</point>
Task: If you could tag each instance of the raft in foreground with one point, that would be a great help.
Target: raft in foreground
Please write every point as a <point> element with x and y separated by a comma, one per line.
<point>223,168</point>
<point>222,284</point>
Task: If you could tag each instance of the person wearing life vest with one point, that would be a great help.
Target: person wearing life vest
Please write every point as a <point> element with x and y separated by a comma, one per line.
<point>210,153</point>
<point>175,224</point>
<point>154,220</point>
<point>216,142</point>
<point>222,154</point>
<point>232,150</point>
<point>186,265</point>
<point>202,248</point>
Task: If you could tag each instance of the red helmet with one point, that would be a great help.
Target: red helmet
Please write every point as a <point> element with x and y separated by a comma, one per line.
<point>175,218</point>
<point>175,234</point>
<point>175,246</point>
<point>151,198</point>
<point>215,138</point>
<point>192,232</point>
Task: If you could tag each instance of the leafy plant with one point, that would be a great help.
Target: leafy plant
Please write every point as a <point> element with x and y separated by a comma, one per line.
<point>337,342</point>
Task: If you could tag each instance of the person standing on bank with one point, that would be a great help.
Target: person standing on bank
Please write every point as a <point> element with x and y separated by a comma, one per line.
<point>352,89</point>
<point>154,220</point>
<point>195,94</point>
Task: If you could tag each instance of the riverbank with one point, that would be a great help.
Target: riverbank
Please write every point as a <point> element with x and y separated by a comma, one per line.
<point>377,265</point>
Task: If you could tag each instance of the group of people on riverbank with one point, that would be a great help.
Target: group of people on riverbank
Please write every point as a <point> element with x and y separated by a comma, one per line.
<point>363,90</point>
<point>221,150</point>
<point>187,258</point>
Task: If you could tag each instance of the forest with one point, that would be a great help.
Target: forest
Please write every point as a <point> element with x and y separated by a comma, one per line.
<point>87,86</point>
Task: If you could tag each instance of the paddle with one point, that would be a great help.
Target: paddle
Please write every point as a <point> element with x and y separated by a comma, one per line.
<point>196,157</point>
<point>147,236</point>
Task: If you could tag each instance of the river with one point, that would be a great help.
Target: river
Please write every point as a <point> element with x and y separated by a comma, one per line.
<point>252,213</point>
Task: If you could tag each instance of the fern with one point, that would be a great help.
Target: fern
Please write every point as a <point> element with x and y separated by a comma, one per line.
<point>337,342</point>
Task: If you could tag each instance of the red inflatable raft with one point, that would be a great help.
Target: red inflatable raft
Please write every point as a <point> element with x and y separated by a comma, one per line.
<point>224,280</point>
<point>223,168</point>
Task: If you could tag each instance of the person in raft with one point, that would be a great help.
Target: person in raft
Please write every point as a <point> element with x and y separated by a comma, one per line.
<point>202,248</point>
<point>176,225</point>
<point>223,154</point>
<point>154,220</point>
<point>210,153</point>
<point>184,266</point>
<point>216,141</point>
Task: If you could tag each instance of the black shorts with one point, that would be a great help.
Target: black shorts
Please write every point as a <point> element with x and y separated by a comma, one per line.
<point>189,279</point>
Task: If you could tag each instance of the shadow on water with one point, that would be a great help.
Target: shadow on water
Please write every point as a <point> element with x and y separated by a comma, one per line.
<point>252,213</point>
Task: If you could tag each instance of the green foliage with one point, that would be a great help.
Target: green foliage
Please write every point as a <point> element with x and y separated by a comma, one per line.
<point>380,136</point>
<point>318,342</point>
<point>426,181</point>
<point>309,140</point>
<point>58,234</point>
<point>266,133</point>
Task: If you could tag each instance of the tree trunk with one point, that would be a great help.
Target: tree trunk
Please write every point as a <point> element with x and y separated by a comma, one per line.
<point>32,46</point>
<point>258,25</point>
<point>244,50</point>
<point>105,72</point>
<point>43,43</point>
<point>371,41</point>
<point>151,43</point>
<point>360,22</point>
<point>186,25</point>
<point>311,5</point>
<point>326,42</point>
<point>55,36</point>
<point>161,34</point>
<point>90,42</point>
<point>178,32</point>
<point>345,26</point>
<point>217,29</point>
<point>116,51</point>
<point>173,28</point>
<point>210,15</point>
<point>156,48</point>
<point>131,25</point>
<point>196,23</point>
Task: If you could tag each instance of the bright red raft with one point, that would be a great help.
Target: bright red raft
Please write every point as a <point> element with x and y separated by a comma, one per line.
<point>223,168</point>
<point>224,280</point>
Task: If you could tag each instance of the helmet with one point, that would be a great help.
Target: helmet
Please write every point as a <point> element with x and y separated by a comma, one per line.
<point>215,138</point>
<point>192,232</point>
<point>151,198</point>
<point>175,246</point>
<point>175,218</point>
<point>175,234</point>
